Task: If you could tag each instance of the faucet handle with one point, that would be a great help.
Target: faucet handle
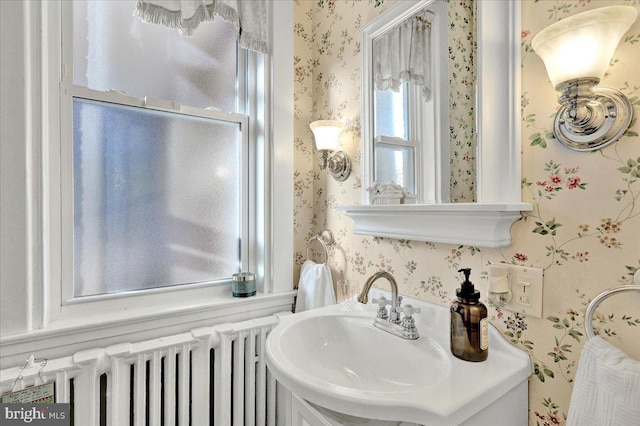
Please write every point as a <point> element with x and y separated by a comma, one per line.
<point>409,330</point>
<point>382,306</point>
<point>408,310</point>
<point>381,301</point>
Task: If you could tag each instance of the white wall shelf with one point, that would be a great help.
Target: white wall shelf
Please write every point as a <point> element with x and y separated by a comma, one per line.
<point>483,225</point>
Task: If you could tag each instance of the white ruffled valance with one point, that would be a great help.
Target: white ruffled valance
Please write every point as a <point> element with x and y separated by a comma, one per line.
<point>404,55</point>
<point>248,16</point>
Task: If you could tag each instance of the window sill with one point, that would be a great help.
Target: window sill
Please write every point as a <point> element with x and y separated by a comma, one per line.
<point>474,224</point>
<point>67,337</point>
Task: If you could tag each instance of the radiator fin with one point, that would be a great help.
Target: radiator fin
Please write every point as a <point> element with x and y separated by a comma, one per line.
<point>209,376</point>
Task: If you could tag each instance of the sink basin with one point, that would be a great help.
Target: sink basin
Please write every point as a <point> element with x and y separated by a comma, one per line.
<point>340,349</point>
<point>337,360</point>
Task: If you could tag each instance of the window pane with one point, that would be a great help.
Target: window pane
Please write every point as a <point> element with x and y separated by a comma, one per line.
<point>112,49</point>
<point>395,163</point>
<point>391,111</point>
<point>157,198</point>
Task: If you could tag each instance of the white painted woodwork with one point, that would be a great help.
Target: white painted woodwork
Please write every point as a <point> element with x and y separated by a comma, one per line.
<point>499,158</point>
<point>474,224</point>
<point>242,368</point>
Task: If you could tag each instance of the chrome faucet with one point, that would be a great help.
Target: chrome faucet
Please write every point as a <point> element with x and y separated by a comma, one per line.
<point>364,294</point>
<point>390,321</point>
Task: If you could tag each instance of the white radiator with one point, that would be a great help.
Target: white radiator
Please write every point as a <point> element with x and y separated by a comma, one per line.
<point>214,375</point>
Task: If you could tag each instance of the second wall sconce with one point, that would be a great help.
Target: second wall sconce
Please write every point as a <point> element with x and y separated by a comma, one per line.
<point>326,134</point>
<point>576,52</point>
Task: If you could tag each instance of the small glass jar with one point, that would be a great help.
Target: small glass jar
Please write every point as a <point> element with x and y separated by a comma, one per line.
<point>243,284</point>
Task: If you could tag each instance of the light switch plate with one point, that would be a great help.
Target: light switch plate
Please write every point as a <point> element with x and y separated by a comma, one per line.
<point>526,289</point>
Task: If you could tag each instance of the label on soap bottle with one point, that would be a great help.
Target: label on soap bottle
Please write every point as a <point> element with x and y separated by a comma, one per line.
<point>484,334</point>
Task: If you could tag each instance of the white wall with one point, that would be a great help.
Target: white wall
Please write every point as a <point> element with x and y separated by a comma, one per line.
<point>14,157</point>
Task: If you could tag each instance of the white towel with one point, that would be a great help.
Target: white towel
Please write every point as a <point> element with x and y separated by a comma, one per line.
<point>607,387</point>
<point>315,288</point>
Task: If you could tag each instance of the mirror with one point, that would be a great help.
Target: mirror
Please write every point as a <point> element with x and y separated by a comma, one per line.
<point>487,221</point>
<point>423,76</point>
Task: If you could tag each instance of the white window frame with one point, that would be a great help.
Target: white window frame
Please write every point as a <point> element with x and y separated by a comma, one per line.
<point>60,312</point>
<point>410,143</point>
<point>431,161</point>
<point>69,92</point>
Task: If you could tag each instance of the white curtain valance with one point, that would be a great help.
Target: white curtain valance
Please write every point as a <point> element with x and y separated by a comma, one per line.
<point>248,16</point>
<point>404,55</point>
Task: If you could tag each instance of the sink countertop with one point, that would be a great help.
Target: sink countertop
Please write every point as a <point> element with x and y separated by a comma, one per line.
<point>343,363</point>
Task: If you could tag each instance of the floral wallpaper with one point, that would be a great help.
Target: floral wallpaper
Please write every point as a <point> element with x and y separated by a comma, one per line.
<point>462,92</point>
<point>584,229</point>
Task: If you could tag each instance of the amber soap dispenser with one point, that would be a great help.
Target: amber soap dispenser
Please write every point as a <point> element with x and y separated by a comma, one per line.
<point>469,324</point>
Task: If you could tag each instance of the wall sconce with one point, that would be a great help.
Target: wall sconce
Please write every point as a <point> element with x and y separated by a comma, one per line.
<point>576,52</point>
<point>326,134</point>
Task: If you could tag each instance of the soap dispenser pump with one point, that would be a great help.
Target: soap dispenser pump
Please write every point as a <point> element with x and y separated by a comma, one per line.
<point>469,324</point>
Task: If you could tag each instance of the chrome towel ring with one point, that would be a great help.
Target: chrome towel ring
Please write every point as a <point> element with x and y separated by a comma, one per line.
<point>591,309</point>
<point>324,239</point>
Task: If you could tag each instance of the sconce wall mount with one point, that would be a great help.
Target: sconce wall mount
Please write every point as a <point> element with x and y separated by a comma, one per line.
<point>590,118</point>
<point>326,134</point>
<point>576,52</point>
<point>339,165</point>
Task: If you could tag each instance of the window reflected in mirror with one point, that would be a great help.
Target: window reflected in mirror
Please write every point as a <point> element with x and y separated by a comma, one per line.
<point>423,79</point>
<point>392,113</point>
<point>395,144</point>
<point>395,162</point>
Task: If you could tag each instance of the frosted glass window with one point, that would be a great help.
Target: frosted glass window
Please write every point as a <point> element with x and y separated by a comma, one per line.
<point>391,113</point>
<point>112,49</point>
<point>395,163</point>
<point>157,198</point>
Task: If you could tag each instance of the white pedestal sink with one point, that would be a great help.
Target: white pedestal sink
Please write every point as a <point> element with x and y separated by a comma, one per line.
<point>335,359</point>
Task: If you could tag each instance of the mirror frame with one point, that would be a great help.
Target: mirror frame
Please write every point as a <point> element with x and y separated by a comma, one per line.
<point>486,223</point>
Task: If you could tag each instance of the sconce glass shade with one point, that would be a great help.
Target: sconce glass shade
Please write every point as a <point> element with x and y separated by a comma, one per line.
<point>576,52</point>
<point>326,133</point>
<point>582,45</point>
